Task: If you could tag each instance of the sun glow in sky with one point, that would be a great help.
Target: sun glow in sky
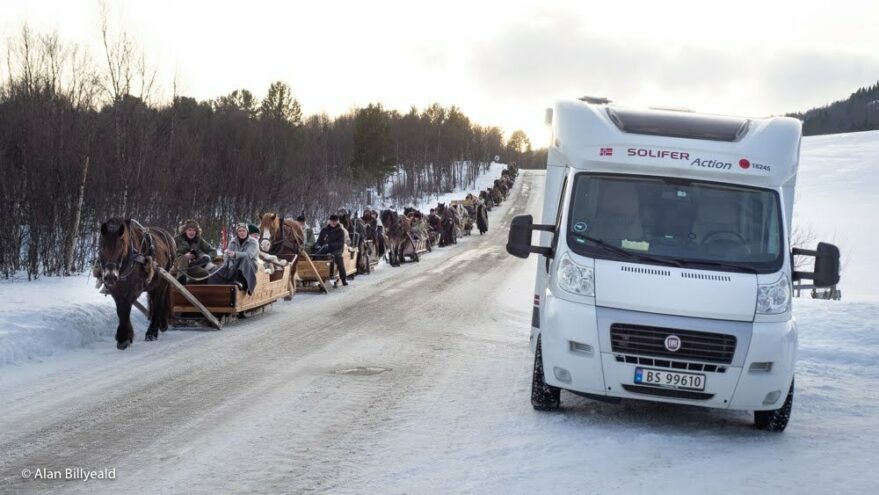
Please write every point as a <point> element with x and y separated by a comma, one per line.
<point>502,62</point>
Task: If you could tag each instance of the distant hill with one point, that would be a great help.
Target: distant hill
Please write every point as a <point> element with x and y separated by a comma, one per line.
<point>859,112</point>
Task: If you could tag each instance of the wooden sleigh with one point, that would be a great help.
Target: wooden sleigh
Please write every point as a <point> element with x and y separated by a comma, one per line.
<point>467,222</point>
<point>314,272</point>
<point>217,304</point>
<point>413,250</point>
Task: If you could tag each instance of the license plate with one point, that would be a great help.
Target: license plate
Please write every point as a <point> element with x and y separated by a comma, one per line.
<point>669,379</point>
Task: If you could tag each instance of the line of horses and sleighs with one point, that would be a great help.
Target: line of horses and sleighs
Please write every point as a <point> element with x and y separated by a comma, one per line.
<point>133,259</point>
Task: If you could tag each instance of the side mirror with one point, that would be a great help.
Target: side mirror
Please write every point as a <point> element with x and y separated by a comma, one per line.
<point>519,240</point>
<point>826,272</point>
<point>826,265</point>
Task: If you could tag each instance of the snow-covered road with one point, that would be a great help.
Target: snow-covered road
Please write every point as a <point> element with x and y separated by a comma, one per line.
<point>417,380</point>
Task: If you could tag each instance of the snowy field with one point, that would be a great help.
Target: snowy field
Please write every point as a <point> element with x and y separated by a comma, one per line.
<point>417,380</point>
<point>838,196</point>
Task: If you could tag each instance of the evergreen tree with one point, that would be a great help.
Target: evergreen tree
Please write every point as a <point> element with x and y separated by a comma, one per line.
<point>280,105</point>
<point>373,147</point>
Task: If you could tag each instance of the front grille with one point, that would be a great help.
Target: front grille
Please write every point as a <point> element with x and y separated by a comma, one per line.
<point>675,365</point>
<point>642,340</point>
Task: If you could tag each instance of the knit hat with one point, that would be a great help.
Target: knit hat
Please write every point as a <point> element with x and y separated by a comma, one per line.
<point>301,217</point>
<point>334,218</point>
<point>252,229</point>
<point>240,226</point>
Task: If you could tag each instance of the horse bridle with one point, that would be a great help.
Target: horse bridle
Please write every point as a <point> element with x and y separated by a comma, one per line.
<point>279,239</point>
<point>133,256</point>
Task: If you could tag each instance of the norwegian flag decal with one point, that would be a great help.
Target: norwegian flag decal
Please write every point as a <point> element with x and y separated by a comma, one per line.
<point>606,152</point>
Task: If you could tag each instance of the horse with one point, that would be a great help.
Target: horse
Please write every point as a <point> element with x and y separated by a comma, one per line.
<point>512,170</point>
<point>285,243</point>
<point>495,197</point>
<point>450,225</point>
<point>481,217</point>
<point>510,173</point>
<point>499,185</point>
<point>374,232</point>
<point>397,228</point>
<point>126,254</point>
<point>486,198</point>
<point>357,232</point>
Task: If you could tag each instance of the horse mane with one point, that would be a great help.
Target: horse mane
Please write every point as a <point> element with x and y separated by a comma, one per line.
<point>288,233</point>
<point>291,227</point>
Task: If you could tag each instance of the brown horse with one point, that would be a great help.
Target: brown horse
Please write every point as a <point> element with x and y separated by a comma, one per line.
<point>126,255</point>
<point>450,225</point>
<point>397,229</point>
<point>374,231</point>
<point>283,242</point>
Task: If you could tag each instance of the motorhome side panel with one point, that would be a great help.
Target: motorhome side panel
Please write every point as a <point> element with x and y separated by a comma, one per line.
<point>555,176</point>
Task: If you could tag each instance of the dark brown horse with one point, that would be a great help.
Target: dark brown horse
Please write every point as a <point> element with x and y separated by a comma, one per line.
<point>126,255</point>
<point>502,187</point>
<point>450,222</point>
<point>374,232</point>
<point>357,230</point>
<point>397,228</point>
<point>283,242</point>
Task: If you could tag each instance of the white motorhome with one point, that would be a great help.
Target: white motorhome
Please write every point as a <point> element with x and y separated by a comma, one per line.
<point>665,264</point>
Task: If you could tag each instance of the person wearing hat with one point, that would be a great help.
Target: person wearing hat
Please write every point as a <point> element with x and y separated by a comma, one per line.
<point>194,254</point>
<point>253,231</point>
<point>309,232</point>
<point>434,221</point>
<point>239,266</point>
<point>331,240</point>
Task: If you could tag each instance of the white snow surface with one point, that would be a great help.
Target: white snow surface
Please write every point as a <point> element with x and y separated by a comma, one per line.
<point>838,197</point>
<point>43,317</point>
<point>270,405</point>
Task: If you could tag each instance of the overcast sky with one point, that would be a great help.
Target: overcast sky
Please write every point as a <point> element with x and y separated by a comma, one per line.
<point>501,61</point>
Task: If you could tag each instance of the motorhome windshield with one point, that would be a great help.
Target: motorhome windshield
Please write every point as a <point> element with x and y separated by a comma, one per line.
<point>681,222</point>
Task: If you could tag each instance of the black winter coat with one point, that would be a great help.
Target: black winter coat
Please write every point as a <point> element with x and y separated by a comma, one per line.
<point>332,237</point>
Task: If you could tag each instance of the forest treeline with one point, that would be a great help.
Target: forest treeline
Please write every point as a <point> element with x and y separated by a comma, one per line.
<point>81,141</point>
<point>858,112</point>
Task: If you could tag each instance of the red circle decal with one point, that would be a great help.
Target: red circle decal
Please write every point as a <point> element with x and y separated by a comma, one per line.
<point>744,163</point>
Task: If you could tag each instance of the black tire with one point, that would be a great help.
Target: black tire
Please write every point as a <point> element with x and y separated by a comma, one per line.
<point>775,420</point>
<point>543,397</point>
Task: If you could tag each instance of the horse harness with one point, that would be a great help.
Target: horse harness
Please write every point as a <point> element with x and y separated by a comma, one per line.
<point>279,240</point>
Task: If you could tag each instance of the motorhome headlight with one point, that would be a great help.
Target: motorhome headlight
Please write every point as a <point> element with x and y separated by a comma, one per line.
<point>774,298</point>
<point>574,278</point>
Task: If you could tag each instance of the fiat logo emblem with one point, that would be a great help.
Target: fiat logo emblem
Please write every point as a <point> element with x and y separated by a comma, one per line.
<point>673,343</point>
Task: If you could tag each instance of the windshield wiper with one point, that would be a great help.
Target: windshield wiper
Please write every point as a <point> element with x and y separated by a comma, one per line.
<point>719,264</point>
<point>629,254</point>
<point>606,245</point>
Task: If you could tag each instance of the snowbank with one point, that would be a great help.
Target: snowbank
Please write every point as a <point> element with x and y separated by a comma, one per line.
<point>39,318</point>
